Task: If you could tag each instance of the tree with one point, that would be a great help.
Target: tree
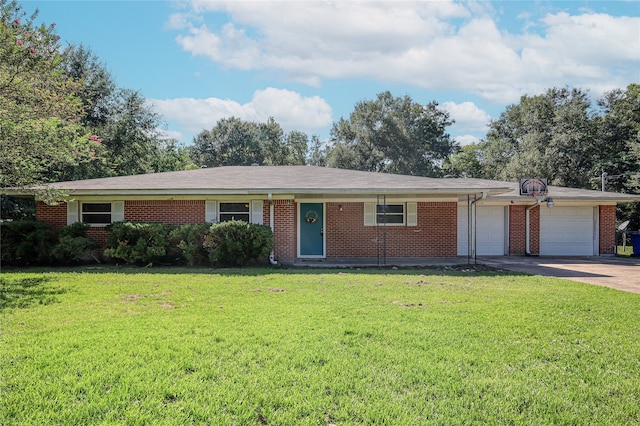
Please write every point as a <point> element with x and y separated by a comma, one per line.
<point>317,153</point>
<point>619,131</point>
<point>128,126</point>
<point>98,88</point>
<point>466,163</point>
<point>393,135</point>
<point>550,135</point>
<point>40,119</point>
<point>619,153</point>
<point>235,142</point>
<point>297,145</point>
<point>232,142</point>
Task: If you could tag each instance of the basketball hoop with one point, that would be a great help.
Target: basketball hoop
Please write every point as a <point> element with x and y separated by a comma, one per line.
<point>534,187</point>
<point>539,195</point>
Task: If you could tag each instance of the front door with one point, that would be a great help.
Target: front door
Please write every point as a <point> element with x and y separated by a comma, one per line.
<point>311,223</point>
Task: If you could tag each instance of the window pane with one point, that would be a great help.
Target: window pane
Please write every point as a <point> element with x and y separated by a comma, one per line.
<point>390,218</point>
<point>234,207</point>
<point>96,207</point>
<point>96,218</point>
<point>391,208</point>
<point>225,217</point>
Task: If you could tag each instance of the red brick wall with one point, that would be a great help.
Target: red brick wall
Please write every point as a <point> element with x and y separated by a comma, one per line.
<point>172,212</point>
<point>285,229</point>
<point>534,230</point>
<point>98,234</point>
<point>55,215</point>
<point>517,236</point>
<point>517,230</point>
<point>607,229</point>
<point>435,235</point>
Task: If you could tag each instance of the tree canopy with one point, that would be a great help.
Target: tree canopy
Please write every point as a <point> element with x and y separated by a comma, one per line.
<point>392,135</point>
<point>561,135</point>
<point>40,107</point>
<point>236,142</point>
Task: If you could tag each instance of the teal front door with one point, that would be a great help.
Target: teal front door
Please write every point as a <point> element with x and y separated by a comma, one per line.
<point>312,229</point>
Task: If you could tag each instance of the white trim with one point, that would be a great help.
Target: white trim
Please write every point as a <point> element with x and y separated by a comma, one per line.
<point>211,211</point>
<point>117,211</point>
<point>507,216</point>
<point>411,214</point>
<point>371,216</point>
<point>97,225</point>
<point>596,231</point>
<point>72,212</point>
<point>256,212</point>
<point>324,237</point>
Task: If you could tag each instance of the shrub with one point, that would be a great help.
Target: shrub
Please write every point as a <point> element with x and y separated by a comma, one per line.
<point>235,243</point>
<point>26,242</point>
<point>138,242</point>
<point>188,241</point>
<point>73,244</point>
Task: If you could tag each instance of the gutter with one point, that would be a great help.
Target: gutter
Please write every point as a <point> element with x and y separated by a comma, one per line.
<point>527,249</point>
<point>272,259</point>
<point>471,205</point>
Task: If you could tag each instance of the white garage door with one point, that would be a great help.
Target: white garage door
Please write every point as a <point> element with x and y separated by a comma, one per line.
<point>566,231</point>
<point>489,230</point>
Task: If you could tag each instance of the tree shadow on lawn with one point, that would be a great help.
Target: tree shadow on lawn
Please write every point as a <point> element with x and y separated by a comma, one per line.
<point>25,292</point>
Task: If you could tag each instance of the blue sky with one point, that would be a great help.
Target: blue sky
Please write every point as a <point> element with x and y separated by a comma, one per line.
<point>308,63</point>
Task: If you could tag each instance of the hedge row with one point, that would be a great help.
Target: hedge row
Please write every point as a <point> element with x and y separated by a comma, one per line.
<point>25,243</point>
<point>233,243</point>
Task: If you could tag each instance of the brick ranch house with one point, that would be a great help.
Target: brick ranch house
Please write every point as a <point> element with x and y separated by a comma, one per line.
<point>319,213</point>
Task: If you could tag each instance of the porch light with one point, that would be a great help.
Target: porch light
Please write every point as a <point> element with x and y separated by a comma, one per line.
<point>550,203</point>
<point>340,207</point>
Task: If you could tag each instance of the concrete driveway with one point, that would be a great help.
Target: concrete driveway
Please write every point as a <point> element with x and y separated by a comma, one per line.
<point>615,272</point>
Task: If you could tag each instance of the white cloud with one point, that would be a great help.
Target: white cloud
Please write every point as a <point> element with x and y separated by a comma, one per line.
<point>170,134</point>
<point>437,45</point>
<point>468,117</point>
<point>467,139</point>
<point>290,109</point>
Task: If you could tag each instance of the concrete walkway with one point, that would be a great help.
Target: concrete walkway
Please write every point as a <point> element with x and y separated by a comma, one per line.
<point>615,272</point>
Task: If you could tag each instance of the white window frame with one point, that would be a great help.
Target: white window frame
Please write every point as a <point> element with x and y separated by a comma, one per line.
<point>409,214</point>
<point>214,210</point>
<point>243,213</point>
<point>76,213</point>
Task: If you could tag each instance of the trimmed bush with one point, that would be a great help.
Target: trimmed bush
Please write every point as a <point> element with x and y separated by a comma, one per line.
<point>73,244</point>
<point>236,243</point>
<point>25,242</point>
<point>188,241</point>
<point>138,242</point>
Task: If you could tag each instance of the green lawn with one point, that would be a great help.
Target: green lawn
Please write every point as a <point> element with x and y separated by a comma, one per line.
<point>625,251</point>
<point>317,347</point>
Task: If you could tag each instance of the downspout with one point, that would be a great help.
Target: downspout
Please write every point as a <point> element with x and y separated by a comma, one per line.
<point>527,221</point>
<point>469,213</point>
<point>272,259</point>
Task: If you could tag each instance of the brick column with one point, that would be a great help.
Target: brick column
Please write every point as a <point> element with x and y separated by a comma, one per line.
<point>607,229</point>
<point>518,230</point>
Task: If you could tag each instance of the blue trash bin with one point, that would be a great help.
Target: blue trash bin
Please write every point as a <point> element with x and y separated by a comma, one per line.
<point>635,243</point>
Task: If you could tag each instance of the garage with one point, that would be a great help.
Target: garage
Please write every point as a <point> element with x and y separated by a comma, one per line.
<point>567,231</point>
<point>490,230</point>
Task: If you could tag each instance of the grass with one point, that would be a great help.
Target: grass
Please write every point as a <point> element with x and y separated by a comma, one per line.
<point>625,251</point>
<point>262,347</point>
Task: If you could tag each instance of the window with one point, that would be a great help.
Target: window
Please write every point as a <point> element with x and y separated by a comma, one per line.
<point>234,211</point>
<point>398,214</point>
<point>392,214</point>
<point>96,213</point>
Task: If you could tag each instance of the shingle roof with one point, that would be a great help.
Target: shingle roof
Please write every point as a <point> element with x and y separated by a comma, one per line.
<point>564,193</point>
<point>309,180</point>
<point>277,179</point>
